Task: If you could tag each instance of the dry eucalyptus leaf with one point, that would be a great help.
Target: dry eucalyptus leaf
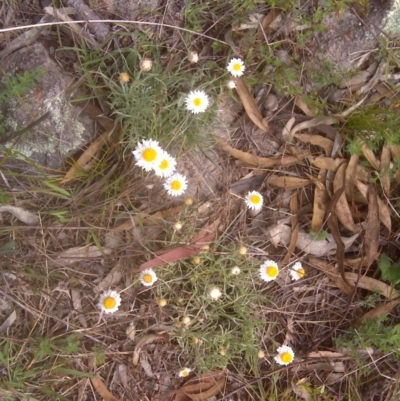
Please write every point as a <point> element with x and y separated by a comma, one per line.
<point>321,199</point>
<point>372,227</point>
<point>370,156</point>
<point>373,285</point>
<point>21,214</point>
<point>316,140</point>
<point>309,124</point>
<point>76,302</point>
<point>326,163</point>
<point>82,252</point>
<point>151,338</point>
<point>342,208</point>
<point>288,182</point>
<point>302,105</point>
<point>378,311</point>
<point>385,169</point>
<point>384,211</point>
<point>351,171</point>
<point>8,322</point>
<point>112,278</point>
<point>250,105</point>
<point>201,388</point>
<point>101,388</point>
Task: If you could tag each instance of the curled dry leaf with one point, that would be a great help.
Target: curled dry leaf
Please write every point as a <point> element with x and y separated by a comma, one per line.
<point>301,104</point>
<point>321,199</point>
<point>370,156</point>
<point>384,212</point>
<point>250,105</point>
<point>316,140</point>
<point>71,255</point>
<point>326,163</point>
<point>351,171</point>
<point>308,124</point>
<point>373,285</point>
<point>281,234</point>
<point>205,237</point>
<point>101,388</point>
<point>372,227</point>
<point>201,388</point>
<point>295,227</point>
<point>378,311</point>
<point>112,278</point>
<point>342,208</point>
<point>21,214</point>
<point>265,162</point>
<point>266,22</point>
<point>8,322</point>
<point>286,181</point>
<point>151,338</point>
<point>333,274</point>
<point>385,169</point>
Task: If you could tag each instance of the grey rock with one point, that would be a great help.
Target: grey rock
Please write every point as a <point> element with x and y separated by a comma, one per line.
<point>64,131</point>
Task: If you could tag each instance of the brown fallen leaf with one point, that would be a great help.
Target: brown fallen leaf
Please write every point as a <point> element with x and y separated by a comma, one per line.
<point>326,163</point>
<point>101,388</point>
<point>351,171</point>
<point>266,22</point>
<point>370,156</point>
<point>201,388</point>
<point>71,255</point>
<point>295,227</point>
<point>308,124</point>
<point>321,199</point>
<point>21,214</point>
<point>342,208</point>
<point>385,169</point>
<point>395,151</point>
<point>378,311</point>
<point>372,227</point>
<point>205,236</point>
<point>373,285</point>
<point>302,105</point>
<point>287,182</point>
<point>384,212</point>
<point>148,339</point>
<point>265,162</point>
<point>143,217</point>
<point>250,105</point>
<point>87,160</point>
<point>333,275</point>
<point>333,225</point>
<point>316,140</point>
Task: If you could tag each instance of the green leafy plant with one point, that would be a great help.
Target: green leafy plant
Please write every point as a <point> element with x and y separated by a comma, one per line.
<point>390,271</point>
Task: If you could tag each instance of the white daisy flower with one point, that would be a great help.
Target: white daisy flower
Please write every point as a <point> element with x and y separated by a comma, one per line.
<point>146,64</point>
<point>197,101</point>
<point>269,270</point>
<point>285,355</point>
<point>147,154</point>
<point>109,301</point>
<point>148,277</point>
<point>193,57</point>
<point>236,67</point>
<point>184,372</point>
<point>235,271</point>
<point>254,200</point>
<point>176,184</point>
<point>297,271</point>
<point>215,293</point>
<point>231,84</point>
<point>165,166</point>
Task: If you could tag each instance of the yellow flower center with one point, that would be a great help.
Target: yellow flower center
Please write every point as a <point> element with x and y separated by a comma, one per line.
<point>286,357</point>
<point>197,101</point>
<point>272,271</point>
<point>301,272</point>
<point>149,154</point>
<point>237,67</point>
<point>147,278</point>
<point>185,373</point>
<point>164,164</point>
<point>255,199</point>
<point>176,185</point>
<point>109,303</point>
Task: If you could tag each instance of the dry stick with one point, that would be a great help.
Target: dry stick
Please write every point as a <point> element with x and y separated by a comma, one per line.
<point>111,21</point>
